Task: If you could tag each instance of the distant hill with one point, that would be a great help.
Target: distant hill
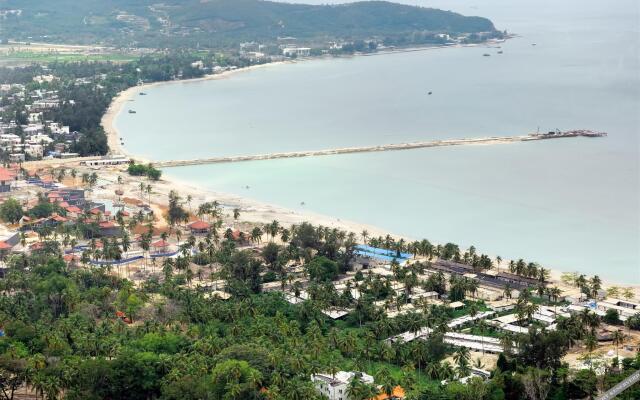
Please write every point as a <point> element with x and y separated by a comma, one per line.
<point>215,23</point>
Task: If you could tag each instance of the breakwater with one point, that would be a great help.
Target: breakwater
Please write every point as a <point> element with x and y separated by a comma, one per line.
<point>384,147</point>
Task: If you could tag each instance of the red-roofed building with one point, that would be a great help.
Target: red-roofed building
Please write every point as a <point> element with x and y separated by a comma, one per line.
<point>161,246</point>
<point>74,210</point>
<point>71,259</point>
<point>4,246</point>
<point>6,177</point>
<point>58,218</point>
<point>199,228</point>
<point>36,246</point>
<point>108,228</point>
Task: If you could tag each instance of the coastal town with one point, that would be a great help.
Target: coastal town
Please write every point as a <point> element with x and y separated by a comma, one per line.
<point>95,215</point>
<point>120,281</point>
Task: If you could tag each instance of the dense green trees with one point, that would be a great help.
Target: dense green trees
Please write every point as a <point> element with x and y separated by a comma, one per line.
<point>321,269</point>
<point>11,211</point>
<point>144,170</point>
<point>65,337</point>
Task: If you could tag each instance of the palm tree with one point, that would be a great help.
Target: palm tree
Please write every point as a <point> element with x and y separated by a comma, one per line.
<point>365,236</point>
<point>591,343</point>
<point>461,357</point>
<point>386,381</point>
<point>256,235</point>
<point>618,339</point>
<point>507,291</point>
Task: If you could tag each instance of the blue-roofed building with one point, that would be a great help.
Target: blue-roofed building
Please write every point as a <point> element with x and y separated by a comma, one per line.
<point>378,256</point>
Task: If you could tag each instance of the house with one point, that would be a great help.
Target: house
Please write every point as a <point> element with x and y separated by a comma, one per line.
<point>16,157</point>
<point>109,229</point>
<point>73,212</point>
<point>6,177</point>
<point>160,247</point>
<point>199,228</point>
<point>624,303</point>
<point>34,150</point>
<point>334,387</point>
<point>296,51</point>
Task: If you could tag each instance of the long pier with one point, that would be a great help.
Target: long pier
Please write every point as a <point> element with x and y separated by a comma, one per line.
<point>385,147</point>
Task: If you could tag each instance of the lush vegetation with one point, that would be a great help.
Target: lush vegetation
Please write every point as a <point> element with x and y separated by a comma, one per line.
<point>85,333</point>
<point>144,170</point>
<point>148,23</point>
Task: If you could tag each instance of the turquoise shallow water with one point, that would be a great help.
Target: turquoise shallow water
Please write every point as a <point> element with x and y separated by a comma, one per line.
<point>571,204</point>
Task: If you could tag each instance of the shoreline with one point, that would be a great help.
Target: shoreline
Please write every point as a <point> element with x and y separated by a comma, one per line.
<point>260,212</point>
<point>108,119</point>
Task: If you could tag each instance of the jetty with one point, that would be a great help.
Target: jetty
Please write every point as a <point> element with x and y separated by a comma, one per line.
<point>384,147</point>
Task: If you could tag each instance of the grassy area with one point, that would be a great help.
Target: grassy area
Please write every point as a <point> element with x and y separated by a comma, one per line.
<point>396,372</point>
<point>13,57</point>
<point>466,309</point>
<point>487,331</point>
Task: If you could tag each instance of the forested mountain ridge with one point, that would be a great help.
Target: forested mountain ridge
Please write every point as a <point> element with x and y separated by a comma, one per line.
<point>215,23</point>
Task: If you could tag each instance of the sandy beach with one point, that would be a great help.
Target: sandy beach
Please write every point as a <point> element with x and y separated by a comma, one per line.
<point>252,211</point>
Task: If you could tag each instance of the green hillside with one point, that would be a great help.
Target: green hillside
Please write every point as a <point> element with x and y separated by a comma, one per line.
<point>215,23</point>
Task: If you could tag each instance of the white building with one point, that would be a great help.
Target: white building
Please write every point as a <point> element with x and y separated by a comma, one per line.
<point>9,140</point>
<point>296,51</point>
<point>34,150</point>
<point>107,160</point>
<point>334,387</point>
<point>39,139</point>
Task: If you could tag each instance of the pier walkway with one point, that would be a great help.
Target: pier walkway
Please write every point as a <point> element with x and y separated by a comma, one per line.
<point>386,147</point>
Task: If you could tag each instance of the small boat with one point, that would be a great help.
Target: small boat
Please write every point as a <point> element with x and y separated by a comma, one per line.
<point>302,203</point>
<point>142,94</point>
<point>132,111</point>
<point>500,52</point>
<point>533,44</point>
<point>429,93</point>
<point>487,55</point>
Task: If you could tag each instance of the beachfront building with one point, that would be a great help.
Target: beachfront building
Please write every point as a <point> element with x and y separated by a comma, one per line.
<point>106,161</point>
<point>296,51</point>
<point>334,387</point>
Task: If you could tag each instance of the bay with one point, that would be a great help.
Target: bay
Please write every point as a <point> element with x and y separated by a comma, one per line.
<point>570,204</point>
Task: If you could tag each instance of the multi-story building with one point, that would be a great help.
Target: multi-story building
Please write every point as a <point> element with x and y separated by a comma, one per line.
<point>334,387</point>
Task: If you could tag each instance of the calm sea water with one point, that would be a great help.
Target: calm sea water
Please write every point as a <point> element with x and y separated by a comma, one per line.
<point>570,204</point>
